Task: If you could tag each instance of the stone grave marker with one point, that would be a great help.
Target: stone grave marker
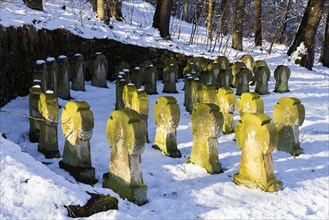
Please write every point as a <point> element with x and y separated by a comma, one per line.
<point>257,137</point>
<point>207,122</point>
<point>52,73</point>
<point>207,78</point>
<point>248,60</point>
<point>150,80</point>
<point>166,117</point>
<point>77,73</point>
<point>126,136</point>
<point>136,75</point>
<point>119,86</point>
<point>288,115</point>
<point>281,74</point>
<point>250,102</point>
<point>34,95</point>
<point>140,104</point>
<point>77,125</point>
<point>214,68</point>
<point>226,101</point>
<point>261,78</point>
<point>100,70</point>
<point>170,75</point>
<point>223,62</point>
<point>63,80</point>
<point>40,73</point>
<point>243,78</point>
<point>224,78</point>
<point>127,95</point>
<point>196,83</point>
<point>206,94</point>
<point>257,64</point>
<point>188,93</point>
<point>236,68</point>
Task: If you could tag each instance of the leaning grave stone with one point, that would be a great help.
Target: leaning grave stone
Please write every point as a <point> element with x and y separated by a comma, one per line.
<point>207,122</point>
<point>236,67</point>
<point>126,136</point>
<point>166,117</point>
<point>257,137</point>
<point>77,125</point>
<point>170,75</point>
<point>48,108</point>
<point>288,115</point>
<point>248,60</point>
<point>127,94</point>
<point>40,73</point>
<point>119,86</point>
<point>243,78</point>
<point>63,80</point>
<point>136,77</point>
<point>150,80</point>
<point>77,73</point>
<point>224,78</point>
<point>226,101</point>
<point>100,70</point>
<point>281,74</point>
<point>223,62</point>
<point>34,96</point>
<point>52,74</point>
<point>250,102</point>
<point>206,94</point>
<point>261,78</point>
<point>140,104</point>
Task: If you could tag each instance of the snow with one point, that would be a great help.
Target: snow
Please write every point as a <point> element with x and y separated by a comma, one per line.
<point>39,62</point>
<point>33,187</point>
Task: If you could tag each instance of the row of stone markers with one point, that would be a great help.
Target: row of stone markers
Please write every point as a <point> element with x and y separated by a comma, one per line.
<point>55,74</point>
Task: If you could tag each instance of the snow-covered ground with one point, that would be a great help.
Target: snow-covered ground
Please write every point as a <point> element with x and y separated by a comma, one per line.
<point>33,187</point>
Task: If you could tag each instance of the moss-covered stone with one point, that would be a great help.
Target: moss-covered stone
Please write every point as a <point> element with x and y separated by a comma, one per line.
<point>100,69</point>
<point>243,78</point>
<point>48,108</point>
<point>77,73</point>
<point>188,93</point>
<point>166,117</point>
<point>226,102</point>
<point>127,95</point>
<point>136,77</point>
<point>224,78</point>
<point>257,137</point>
<point>207,78</point>
<point>140,104</point>
<point>214,68</point>
<point>126,135</point>
<point>248,60</point>
<point>206,94</point>
<point>170,75</point>
<point>63,80</point>
<point>192,70</point>
<point>119,86</point>
<point>151,78</point>
<point>77,126</point>
<point>34,131</point>
<point>40,73</point>
<point>281,74</point>
<point>236,67</point>
<point>52,72</point>
<point>119,68</point>
<point>261,78</point>
<point>289,114</point>
<point>250,102</point>
<point>223,62</point>
<point>207,122</point>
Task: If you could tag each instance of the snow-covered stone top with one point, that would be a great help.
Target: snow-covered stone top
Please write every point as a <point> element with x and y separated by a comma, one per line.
<point>37,81</point>
<point>151,65</point>
<point>121,73</point>
<point>171,64</point>
<point>187,75</point>
<point>137,68</point>
<point>98,53</point>
<point>196,79</point>
<point>131,84</point>
<point>77,55</point>
<point>140,89</point>
<point>215,61</point>
<point>126,70</point>
<point>36,86</point>
<point>49,92</point>
<point>39,62</point>
<point>122,80</point>
<point>62,57</point>
<point>50,59</point>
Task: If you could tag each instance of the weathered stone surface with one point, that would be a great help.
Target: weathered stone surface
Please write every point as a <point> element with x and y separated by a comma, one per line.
<point>77,73</point>
<point>77,126</point>
<point>40,73</point>
<point>34,4</point>
<point>207,122</point>
<point>191,69</point>
<point>166,117</point>
<point>248,60</point>
<point>34,113</point>
<point>207,78</point>
<point>140,104</point>
<point>119,86</point>
<point>206,94</point>
<point>259,63</point>
<point>151,80</point>
<point>136,75</point>
<point>281,74</point>
<point>261,78</point>
<point>250,102</point>
<point>52,72</point>
<point>243,78</point>
<point>257,137</point>
<point>289,114</point>
<point>48,108</point>
<point>236,67</point>
<point>126,135</point>
<point>127,75</point>
<point>63,80</point>
<point>223,62</point>
<point>127,95</point>
<point>214,68</point>
<point>99,74</point>
<point>196,83</point>
<point>119,68</point>
<point>226,102</point>
<point>170,77</point>
<point>224,78</point>
<point>188,93</point>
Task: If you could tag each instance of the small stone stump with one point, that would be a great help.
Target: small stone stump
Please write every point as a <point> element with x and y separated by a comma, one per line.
<point>257,137</point>
<point>262,76</point>
<point>48,108</point>
<point>40,73</point>
<point>136,77</point>
<point>126,135</point>
<point>250,102</point>
<point>166,117</point>
<point>236,68</point>
<point>63,81</point>
<point>77,126</point>
<point>224,78</point>
<point>140,104</point>
<point>288,115</point>
<point>170,75</point>
<point>281,74</point>
<point>100,70</point>
<point>34,96</point>
<point>207,122</point>
<point>127,95</point>
<point>52,73</point>
<point>226,102</point>
<point>77,73</point>
<point>151,80</point>
<point>119,86</point>
<point>243,78</point>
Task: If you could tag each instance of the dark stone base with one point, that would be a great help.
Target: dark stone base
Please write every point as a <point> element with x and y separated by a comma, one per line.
<point>169,153</point>
<point>81,174</point>
<point>34,137</point>
<point>49,153</point>
<point>134,193</point>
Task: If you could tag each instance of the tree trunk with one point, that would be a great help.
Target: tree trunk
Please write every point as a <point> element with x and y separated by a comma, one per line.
<point>258,23</point>
<point>306,32</point>
<point>161,19</point>
<point>325,49</point>
<point>100,9</point>
<point>34,4</point>
<point>224,8</point>
<point>209,19</point>
<point>114,9</point>
<point>94,5</point>
<point>238,25</point>
<point>285,20</point>
<point>186,10</point>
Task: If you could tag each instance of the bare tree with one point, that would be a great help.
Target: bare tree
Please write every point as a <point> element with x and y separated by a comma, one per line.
<point>161,19</point>
<point>100,9</point>
<point>325,49</point>
<point>114,9</point>
<point>258,23</point>
<point>238,25</point>
<point>209,19</point>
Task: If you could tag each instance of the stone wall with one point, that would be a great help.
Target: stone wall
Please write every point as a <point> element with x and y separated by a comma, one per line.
<point>21,47</point>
